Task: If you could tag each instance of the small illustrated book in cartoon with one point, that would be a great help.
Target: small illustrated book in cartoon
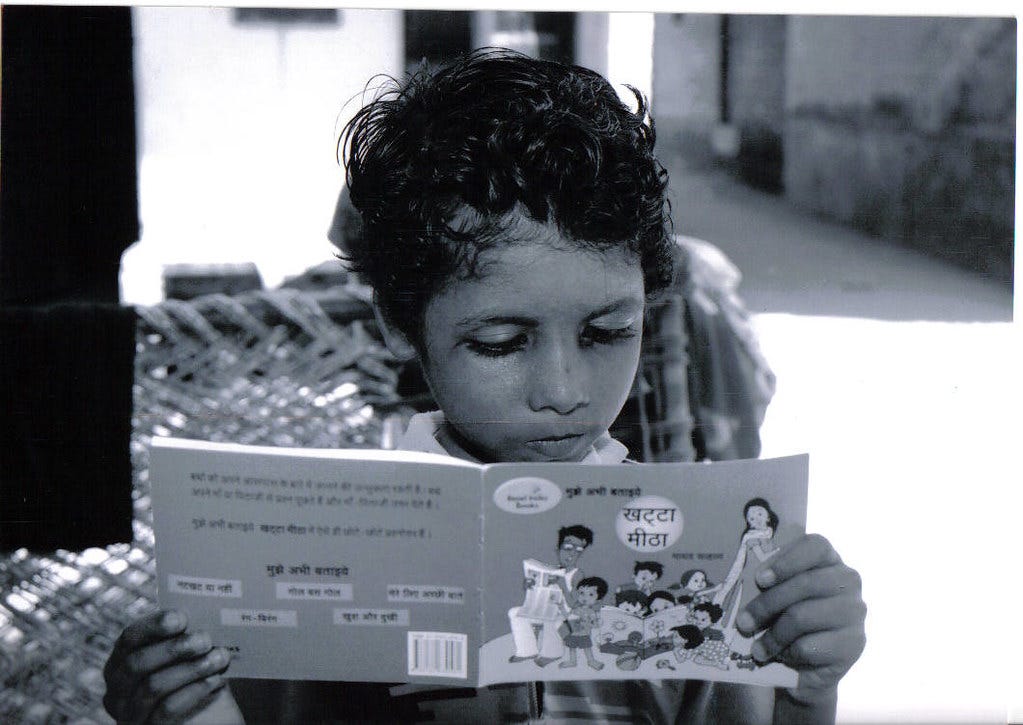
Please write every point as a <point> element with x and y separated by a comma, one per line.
<point>396,566</point>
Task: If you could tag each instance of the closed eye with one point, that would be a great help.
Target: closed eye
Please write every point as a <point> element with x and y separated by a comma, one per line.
<point>593,335</point>
<point>497,348</point>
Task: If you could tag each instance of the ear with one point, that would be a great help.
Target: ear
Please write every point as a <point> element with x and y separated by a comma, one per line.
<point>395,339</point>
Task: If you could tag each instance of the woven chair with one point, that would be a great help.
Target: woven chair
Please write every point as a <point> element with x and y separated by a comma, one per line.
<point>307,368</point>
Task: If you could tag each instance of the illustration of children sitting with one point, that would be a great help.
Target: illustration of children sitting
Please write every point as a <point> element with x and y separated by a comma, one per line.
<point>644,574</point>
<point>713,651</point>
<point>582,620</point>
<point>632,601</point>
<point>686,639</point>
<point>693,588</point>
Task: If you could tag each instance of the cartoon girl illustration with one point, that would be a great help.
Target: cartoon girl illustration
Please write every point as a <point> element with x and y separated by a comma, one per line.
<point>694,588</point>
<point>755,547</point>
<point>686,639</point>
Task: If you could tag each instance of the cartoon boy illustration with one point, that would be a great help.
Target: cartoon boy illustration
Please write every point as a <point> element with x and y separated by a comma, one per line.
<point>543,645</point>
<point>632,601</point>
<point>660,600</point>
<point>644,574</point>
<point>582,620</point>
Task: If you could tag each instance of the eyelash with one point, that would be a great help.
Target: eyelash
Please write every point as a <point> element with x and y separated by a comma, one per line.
<point>592,336</point>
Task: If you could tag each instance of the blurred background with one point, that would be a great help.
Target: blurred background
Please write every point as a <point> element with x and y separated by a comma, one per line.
<point>858,171</point>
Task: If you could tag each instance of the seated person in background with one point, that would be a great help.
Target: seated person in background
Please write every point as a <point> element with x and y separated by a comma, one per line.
<point>514,227</point>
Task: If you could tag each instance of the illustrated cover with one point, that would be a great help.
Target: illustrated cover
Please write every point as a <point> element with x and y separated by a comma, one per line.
<point>397,566</point>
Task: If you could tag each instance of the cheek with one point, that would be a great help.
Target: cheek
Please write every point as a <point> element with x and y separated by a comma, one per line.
<point>468,387</point>
<point>613,373</point>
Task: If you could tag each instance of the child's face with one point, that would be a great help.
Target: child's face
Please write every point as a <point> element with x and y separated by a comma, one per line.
<point>533,361</point>
<point>586,596</point>
<point>697,581</point>
<point>644,578</point>
<point>660,603</point>
<point>631,607</point>
<point>701,619</point>
<point>757,517</point>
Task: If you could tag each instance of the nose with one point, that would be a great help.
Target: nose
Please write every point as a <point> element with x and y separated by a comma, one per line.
<point>559,378</point>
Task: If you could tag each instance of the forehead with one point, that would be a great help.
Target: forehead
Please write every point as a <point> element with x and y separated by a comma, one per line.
<point>574,540</point>
<point>536,272</point>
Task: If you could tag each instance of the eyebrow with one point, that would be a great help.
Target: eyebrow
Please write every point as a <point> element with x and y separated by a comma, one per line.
<point>523,321</point>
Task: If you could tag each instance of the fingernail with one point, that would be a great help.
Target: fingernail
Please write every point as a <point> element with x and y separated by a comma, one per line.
<point>745,622</point>
<point>216,659</point>
<point>758,651</point>
<point>766,577</point>
<point>197,643</point>
<point>172,621</point>
<point>214,681</point>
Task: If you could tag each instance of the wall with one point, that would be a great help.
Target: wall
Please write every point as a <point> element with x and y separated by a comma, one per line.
<point>686,84</point>
<point>904,127</point>
<point>237,132</point>
<point>756,96</point>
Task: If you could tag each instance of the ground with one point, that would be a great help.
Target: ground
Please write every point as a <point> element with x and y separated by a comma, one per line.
<point>899,375</point>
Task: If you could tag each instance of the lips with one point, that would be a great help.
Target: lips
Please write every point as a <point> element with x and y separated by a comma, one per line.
<point>558,447</point>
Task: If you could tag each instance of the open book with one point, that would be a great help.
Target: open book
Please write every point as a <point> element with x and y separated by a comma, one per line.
<point>395,566</point>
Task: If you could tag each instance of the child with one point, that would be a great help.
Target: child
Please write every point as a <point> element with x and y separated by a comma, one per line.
<point>660,600</point>
<point>583,618</point>
<point>712,651</point>
<point>686,639</point>
<point>694,587</point>
<point>514,225</point>
<point>632,601</point>
<point>644,574</point>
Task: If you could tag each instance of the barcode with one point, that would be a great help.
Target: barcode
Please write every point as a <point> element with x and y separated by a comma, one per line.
<point>441,654</point>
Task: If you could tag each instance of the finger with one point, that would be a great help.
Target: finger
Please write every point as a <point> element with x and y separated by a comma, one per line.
<point>155,657</point>
<point>161,684</point>
<point>188,700</point>
<point>833,651</point>
<point>126,672</point>
<point>808,552</point>
<point>153,628</point>
<point>805,618</point>
<point>826,583</point>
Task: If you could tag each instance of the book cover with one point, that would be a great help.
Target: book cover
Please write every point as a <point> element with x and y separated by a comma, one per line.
<point>395,566</point>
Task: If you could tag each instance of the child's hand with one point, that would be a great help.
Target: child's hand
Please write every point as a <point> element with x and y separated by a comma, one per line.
<point>812,607</point>
<point>160,672</point>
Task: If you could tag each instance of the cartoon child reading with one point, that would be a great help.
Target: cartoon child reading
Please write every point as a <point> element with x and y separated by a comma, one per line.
<point>632,601</point>
<point>582,620</point>
<point>644,574</point>
<point>543,645</point>
<point>660,600</point>
<point>686,639</point>
<point>514,224</point>
<point>713,651</point>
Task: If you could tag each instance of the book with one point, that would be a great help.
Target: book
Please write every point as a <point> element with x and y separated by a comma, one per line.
<point>407,567</point>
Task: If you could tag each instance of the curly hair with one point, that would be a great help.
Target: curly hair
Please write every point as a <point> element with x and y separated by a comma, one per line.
<point>438,165</point>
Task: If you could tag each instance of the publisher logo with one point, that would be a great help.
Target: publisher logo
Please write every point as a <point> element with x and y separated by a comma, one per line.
<point>527,495</point>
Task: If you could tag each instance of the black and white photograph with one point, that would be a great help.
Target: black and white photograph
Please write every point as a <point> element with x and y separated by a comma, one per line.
<point>356,279</point>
